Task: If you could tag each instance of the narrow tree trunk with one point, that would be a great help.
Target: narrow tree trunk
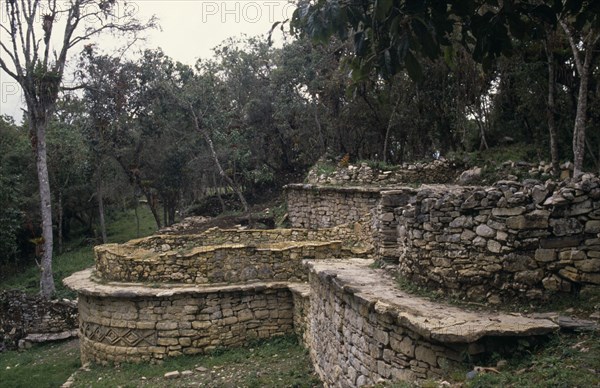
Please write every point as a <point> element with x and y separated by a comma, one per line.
<point>152,204</point>
<point>60,223</point>
<point>47,287</point>
<point>100,197</point>
<point>551,108</point>
<point>583,69</point>
<point>223,208</point>
<point>581,115</point>
<point>319,128</point>
<point>387,131</point>
<point>137,218</point>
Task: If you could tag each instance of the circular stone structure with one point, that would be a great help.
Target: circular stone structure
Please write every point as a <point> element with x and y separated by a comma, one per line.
<point>165,296</point>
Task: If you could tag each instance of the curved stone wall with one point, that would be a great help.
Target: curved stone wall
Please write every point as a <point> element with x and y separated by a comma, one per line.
<point>135,323</point>
<point>234,263</point>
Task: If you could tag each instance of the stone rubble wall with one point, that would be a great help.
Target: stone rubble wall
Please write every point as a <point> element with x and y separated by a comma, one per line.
<point>235,263</point>
<point>513,239</point>
<point>347,209</point>
<point>509,240</point>
<point>353,345</point>
<point>251,237</point>
<point>313,207</point>
<point>364,333</point>
<point>437,171</point>
<point>145,328</point>
<point>23,315</point>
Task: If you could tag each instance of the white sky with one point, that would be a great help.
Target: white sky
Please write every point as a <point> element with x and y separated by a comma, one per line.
<point>189,30</point>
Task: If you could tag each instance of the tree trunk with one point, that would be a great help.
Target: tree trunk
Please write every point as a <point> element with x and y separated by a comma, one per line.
<point>60,223</point>
<point>223,207</point>
<point>581,115</point>
<point>137,218</point>
<point>153,208</point>
<point>551,108</point>
<point>583,69</point>
<point>100,197</point>
<point>47,287</point>
<point>387,132</point>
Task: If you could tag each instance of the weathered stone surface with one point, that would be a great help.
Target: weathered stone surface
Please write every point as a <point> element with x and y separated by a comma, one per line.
<point>537,219</point>
<point>508,211</point>
<point>592,265</point>
<point>545,255</point>
<point>566,226</point>
<point>592,226</point>
<point>31,318</point>
<point>172,375</point>
<point>424,336</point>
<point>485,231</point>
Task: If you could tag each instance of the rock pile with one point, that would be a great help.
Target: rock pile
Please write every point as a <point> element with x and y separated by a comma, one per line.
<point>437,171</point>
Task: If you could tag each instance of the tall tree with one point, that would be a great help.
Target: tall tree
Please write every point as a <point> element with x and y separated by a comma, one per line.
<point>582,27</point>
<point>37,62</point>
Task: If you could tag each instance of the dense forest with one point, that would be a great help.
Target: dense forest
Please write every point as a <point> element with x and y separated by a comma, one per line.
<point>147,129</point>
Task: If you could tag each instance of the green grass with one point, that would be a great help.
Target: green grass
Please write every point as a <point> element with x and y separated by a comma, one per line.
<point>279,362</point>
<point>41,366</point>
<point>569,360</point>
<point>120,228</point>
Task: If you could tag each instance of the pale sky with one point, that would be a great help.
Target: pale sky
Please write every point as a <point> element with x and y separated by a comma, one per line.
<point>189,30</point>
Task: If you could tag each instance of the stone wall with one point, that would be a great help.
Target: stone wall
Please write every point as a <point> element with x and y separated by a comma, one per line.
<point>235,263</point>
<point>119,324</point>
<point>26,317</point>
<point>363,331</point>
<point>251,237</point>
<point>513,239</point>
<point>509,240</point>
<point>312,207</point>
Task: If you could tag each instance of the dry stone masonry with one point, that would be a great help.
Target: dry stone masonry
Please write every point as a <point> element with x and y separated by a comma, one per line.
<point>363,330</point>
<point>169,295</point>
<point>513,239</point>
<point>31,318</point>
<point>437,171</point>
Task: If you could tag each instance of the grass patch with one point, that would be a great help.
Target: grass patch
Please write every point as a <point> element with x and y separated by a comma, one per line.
<point>279,362</point>
<point>121,228</point>
<point>569,360</point>
<point>41,366</point>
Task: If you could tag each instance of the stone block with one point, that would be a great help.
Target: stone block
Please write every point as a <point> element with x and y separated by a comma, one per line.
<point>201,325</point>
<point>166,326</point>
<point>508,211</point>
<point>426,355</point>
<point>167,341</point>
<point>592,226</point>
<point>537,219</point>
<point>545,255</point>
<point>494,246</point>
<point>529,277</point>
<point>485,231</point>
<point>561,242</point>
<point>591,265</point>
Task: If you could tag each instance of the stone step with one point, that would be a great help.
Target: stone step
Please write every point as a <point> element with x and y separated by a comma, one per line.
<point>433,320</point>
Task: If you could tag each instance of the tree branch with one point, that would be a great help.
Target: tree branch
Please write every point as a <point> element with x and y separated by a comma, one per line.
<point>573,45</point>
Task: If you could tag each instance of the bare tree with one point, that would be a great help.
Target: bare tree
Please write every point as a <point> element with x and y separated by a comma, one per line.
<point>31,56</point>
<point>583,47</point>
